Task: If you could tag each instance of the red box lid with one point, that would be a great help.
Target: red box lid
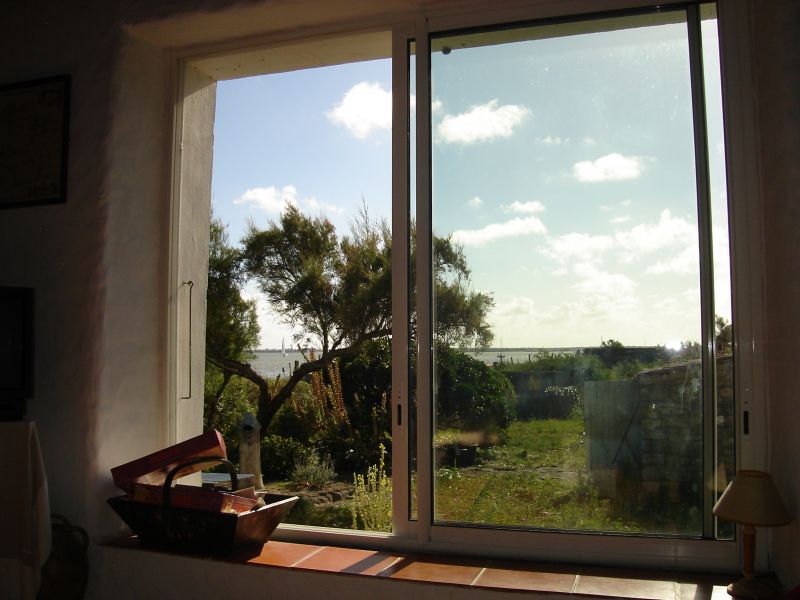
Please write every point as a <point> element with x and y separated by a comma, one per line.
<point>155,467</point>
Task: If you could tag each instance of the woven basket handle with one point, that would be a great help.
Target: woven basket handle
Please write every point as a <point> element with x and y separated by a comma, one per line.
<point>194,461</point>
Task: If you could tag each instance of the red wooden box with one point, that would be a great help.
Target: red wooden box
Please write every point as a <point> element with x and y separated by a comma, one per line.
<point>185,529</point>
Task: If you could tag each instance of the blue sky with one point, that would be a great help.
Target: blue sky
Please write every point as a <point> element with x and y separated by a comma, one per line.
<point>564,167</point>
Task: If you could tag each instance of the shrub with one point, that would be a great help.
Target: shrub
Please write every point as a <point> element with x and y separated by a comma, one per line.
<point>296,418</point>
<point>566,401</point>
<point>583,366</point>
<point>371,508</point>
<point>226,402</point>
<point>471,395</point>
<point>279,455</point>
<point>312,470</point>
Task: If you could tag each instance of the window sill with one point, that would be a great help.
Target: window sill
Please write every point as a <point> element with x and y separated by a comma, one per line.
<point>477,574</point>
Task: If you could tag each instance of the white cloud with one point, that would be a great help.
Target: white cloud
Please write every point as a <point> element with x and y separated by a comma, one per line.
<point>269,199</point>
<point>317,206</point>
<point>684,262</point>
<point>515,307</point>
<point>612,167</point>
<point>601,299</point>
<point>589,141</point>
<point>574,249</point>
<point>273,200</point>
<point>481,123</point>
<point>364,109</point>
<point>672,240</point>
<point>620,220</point>
<point>475,201</point>
<point>604,286</point>
<point>530,208</point>
<point>669,233</point>
<point>496,231</point>
<point>551,140</point>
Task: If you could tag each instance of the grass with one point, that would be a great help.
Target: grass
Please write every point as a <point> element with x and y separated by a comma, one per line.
<point>537,479</point>
<point>535,476</point>
<point>523,499</point>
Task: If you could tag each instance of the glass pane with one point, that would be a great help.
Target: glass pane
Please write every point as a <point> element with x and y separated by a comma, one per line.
<point>567,388</point>
<point>725,449</point>
<point>299,305</point>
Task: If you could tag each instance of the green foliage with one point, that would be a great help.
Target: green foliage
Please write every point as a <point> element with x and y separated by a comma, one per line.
<point>231,321</point>
<point>371,508</point>
<point>611,343</point>
<point>305,513</point>
<point>568,396</point>
<point>470,395</point>
<point>584,367</point>
<point>723,336</point>
<point>448,473</point>
<point>296,418</point>
<point>367,388</point>
<point>336,290</point>
<point>630,368</point>
<point>279,455</point>
<point>310,469</point>
<point>226,402</point>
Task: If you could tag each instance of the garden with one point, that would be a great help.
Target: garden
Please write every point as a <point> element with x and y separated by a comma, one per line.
<point>601,438</point>
<point>503,456</point>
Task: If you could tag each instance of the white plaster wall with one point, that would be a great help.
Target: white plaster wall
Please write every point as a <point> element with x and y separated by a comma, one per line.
<point>189,271</point>
<point>132,399</point>
<point>60,249</point>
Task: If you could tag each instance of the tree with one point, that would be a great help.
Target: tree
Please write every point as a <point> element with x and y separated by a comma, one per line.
<point>231,321</point>
<point>724,336</point>
<point>336,291</point>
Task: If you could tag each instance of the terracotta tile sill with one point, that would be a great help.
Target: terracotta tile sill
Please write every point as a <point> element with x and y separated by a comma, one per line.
<point>487,574</point>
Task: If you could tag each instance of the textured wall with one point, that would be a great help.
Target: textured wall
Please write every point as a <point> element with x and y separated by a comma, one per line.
<point>776,26</point>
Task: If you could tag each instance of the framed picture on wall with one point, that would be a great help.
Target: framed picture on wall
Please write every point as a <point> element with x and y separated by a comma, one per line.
<point>34,137</point>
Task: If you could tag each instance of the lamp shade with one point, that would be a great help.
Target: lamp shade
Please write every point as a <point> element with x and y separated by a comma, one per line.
<point>752,499</point>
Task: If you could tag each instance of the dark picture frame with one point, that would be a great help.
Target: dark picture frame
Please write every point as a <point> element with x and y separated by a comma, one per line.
<point>34,139</point>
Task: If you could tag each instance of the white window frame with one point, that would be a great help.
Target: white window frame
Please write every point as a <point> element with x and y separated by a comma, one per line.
<point>746,259</point>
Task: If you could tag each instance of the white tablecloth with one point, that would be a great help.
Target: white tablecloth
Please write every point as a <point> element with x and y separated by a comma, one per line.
<point>24,510</point>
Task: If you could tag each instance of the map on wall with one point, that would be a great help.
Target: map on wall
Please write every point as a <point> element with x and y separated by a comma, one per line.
<point>33,142</point>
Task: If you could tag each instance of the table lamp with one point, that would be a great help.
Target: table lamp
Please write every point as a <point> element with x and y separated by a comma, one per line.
<point>752,500</point>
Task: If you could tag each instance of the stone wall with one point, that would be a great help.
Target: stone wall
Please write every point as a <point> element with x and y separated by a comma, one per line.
<point>648,432</point>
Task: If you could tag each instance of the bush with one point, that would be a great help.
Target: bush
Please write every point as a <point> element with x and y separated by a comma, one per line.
<point>279,455</point>
<point>583,366</point>
<point>565,401</point>
<point>471,396</point>
<point>296,418</point>
<point>372,498</point>
<point>312,470</point>
<point>238,397</point>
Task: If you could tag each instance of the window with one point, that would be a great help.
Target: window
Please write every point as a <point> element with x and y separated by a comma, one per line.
<point>578,218</point>
<point>299,295</point>
<point>562,337</point>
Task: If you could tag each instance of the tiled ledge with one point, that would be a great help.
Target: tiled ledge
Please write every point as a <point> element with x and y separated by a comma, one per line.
<point>549,579</point>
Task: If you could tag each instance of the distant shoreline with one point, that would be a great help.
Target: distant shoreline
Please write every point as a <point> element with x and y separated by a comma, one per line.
<point>467,350</point>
